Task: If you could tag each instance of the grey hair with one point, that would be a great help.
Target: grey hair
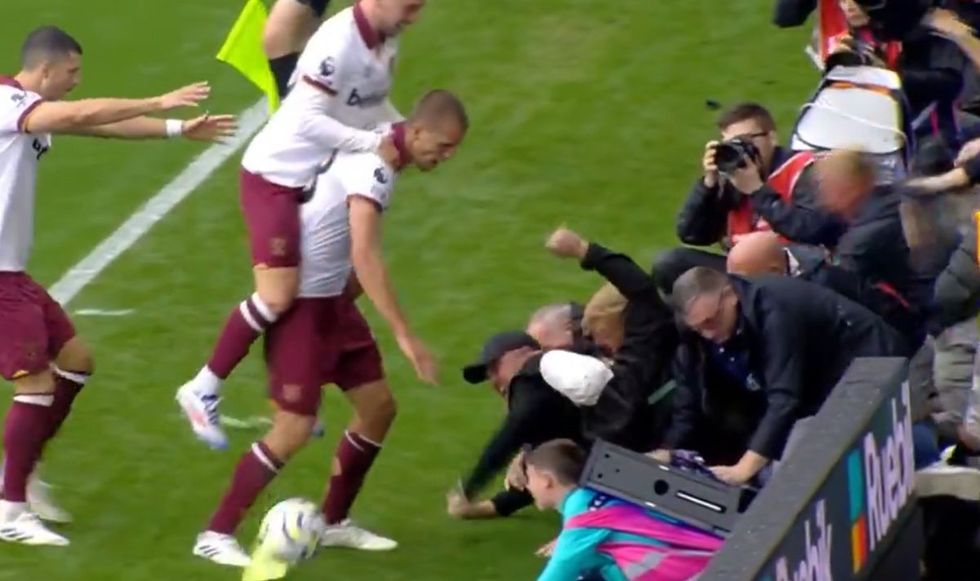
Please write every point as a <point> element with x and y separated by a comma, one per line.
<point>695,283</point>
<point>559,313</point>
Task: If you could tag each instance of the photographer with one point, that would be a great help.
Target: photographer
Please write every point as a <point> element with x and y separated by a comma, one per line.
<point>629,321</point>
<point>715,212</point>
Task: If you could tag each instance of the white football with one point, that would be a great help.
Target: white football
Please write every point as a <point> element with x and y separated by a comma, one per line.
<point>291,530</point>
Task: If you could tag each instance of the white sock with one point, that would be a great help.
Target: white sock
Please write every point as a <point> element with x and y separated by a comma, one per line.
<point>207,381</point>
<point>11,510</point>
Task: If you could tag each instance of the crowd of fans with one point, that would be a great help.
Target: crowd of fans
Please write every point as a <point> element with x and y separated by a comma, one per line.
<point>816,258</point>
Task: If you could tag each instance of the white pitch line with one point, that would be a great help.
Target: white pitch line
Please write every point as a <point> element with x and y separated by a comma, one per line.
<point>154,210</point>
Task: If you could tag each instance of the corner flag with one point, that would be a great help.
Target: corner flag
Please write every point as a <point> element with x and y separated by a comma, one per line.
<point>243,50</point>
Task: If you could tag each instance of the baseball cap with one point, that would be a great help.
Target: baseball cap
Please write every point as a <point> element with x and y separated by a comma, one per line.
<point>495,348</point>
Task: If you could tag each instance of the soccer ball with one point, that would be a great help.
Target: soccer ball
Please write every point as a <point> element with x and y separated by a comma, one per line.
<point>291,530</point>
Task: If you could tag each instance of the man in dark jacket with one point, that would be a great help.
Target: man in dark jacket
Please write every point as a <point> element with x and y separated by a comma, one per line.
<point>762,355</point>
<point>859,222</point>
<point>535,414</point>
<point>641,351</point>
<point>762,253</point>
<point>714,212</point>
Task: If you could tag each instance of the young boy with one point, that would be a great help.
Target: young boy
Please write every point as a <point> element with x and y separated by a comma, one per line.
<point>606,538</point>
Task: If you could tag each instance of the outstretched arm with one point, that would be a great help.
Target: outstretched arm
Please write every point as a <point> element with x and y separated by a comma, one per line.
<point>62,117</point>
<point>203,128</point>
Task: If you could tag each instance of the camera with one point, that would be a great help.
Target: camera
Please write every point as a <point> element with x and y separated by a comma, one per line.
<point>732,154</point>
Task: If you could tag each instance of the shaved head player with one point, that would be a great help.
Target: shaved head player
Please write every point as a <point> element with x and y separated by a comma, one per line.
<point>39,351</point>
<point>324,338</point>
<point>339,103</point>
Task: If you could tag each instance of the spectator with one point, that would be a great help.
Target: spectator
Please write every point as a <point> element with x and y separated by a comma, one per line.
<point>861,223</point>
<point>629,321</point>
<point>535,413</point>
<point>715,212</point>
<point>762,355</point>
<point>763,253</point>
<point>557,326</point>
<point>606,538</point>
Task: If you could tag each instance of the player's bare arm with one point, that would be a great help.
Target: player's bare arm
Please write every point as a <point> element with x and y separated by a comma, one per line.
<point>61,117</point>
<point>369,266</point>
<point>372,274</point>
<point>203,128</point>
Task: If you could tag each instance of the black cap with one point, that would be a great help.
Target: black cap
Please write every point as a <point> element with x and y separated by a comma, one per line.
<point>495,348</point>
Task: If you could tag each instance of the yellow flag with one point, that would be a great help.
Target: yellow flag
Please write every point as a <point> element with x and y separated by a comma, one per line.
<point>243,50</point>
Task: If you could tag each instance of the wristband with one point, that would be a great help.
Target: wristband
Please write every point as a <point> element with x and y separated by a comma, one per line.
<point>175,128</point>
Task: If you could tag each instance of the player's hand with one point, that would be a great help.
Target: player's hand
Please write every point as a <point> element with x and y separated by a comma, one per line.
<point>188,96</point>
<point>516,478</point>
<point>708,163</point>
<point>565,243</point>
<point>419,356</point>
<point>661,455</point>
<point>547,549</point>
<point>210,128</point>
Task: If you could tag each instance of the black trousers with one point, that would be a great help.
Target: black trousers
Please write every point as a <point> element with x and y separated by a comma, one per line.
<point>673,263</point>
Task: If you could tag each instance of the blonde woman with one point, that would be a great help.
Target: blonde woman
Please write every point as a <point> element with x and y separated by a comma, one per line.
<point>635,329</point>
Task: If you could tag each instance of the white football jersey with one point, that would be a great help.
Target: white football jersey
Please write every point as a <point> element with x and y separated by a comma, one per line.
<point>345,72</point>
<point>19,155</point>
<point>325,263</point>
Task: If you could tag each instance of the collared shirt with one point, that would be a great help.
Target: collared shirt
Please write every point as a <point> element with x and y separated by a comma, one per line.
<point>734,358</point>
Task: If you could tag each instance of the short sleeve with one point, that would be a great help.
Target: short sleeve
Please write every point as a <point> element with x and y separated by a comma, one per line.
<point>323,63</point>
<point>369,177</point>
<point>15,105</point>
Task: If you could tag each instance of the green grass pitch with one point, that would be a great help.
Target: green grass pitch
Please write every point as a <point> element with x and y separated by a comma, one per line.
<point>589,113</point>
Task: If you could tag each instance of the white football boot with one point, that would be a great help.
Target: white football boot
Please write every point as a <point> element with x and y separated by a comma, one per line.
<point>221,549</point>
<point>347,534</point>
<point>40,501</point>
<point>201,409</point>
<point>19,525</point>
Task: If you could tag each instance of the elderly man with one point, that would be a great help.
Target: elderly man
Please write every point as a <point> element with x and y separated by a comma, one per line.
<point>762,355</point>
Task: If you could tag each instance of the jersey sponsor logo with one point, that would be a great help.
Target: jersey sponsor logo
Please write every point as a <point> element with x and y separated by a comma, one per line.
<point>380,175</point>
<point>355,99</point>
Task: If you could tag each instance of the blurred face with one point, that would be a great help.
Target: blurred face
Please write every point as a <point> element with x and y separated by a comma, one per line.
<point>396,15</point>
<point>752,130</point>
<point>855,15</point>
<point>60,76</point>
<point>433,144</point>
<point>551,334</point>
<point>714,316</point>
<point>503,370</point>
<point>543,488</point>
<point>607,333</point>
